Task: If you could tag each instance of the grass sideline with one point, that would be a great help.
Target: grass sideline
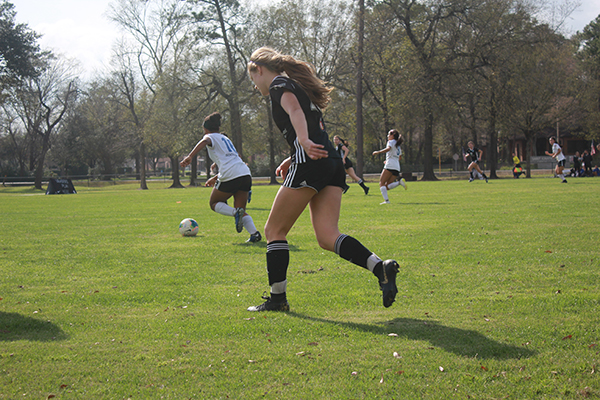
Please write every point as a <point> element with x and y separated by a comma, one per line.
<point>100,298</point>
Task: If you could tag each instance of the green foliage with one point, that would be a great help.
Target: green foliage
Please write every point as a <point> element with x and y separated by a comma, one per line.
<point>499,296</point>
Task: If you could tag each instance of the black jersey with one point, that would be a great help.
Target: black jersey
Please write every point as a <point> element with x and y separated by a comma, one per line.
<point>474,154</point>
<point>314,119</point>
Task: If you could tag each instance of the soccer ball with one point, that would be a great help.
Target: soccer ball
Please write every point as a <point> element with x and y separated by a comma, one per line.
<point>188,227</point>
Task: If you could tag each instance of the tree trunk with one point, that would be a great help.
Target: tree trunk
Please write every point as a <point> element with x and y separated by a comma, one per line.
<point>39,169</point>
<point>529,151</point>
<point>175,173</point>
<point>143,185</point>
<point>359,89</point>
<point>272,166</point>
<point>194,171</point>
<point>428,174</point>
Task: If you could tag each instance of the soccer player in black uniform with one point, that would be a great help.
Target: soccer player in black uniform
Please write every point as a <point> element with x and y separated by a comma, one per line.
<point>313,175</point>
<point>475,155</point>
<point>341,146</point>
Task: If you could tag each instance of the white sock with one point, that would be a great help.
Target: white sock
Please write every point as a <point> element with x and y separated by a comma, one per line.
<point>249,224</point>
<point>372,261</point>
<point>393,185</point>
<point>383,190</point>
<point>562,176</point>
<point>224,209</point>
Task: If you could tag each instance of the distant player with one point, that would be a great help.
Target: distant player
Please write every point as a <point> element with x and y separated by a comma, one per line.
<point>475,155</point>
<point>559,156</point>
<point>234,177</point>
<point>391,167</point>
<point>341,146</point>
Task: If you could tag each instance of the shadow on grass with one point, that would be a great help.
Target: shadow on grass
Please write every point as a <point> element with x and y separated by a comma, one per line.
<point>15,326</point>
<point>463,342</point>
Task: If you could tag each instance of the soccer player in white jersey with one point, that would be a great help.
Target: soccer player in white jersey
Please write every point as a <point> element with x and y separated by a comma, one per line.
<point>559,156</point>
<point>391,167</point>
<point>234,177</point>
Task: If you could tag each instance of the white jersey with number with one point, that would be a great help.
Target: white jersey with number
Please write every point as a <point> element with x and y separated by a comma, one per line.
<point>223,153</point>
<point>392,157</point>
<point>560,156</point>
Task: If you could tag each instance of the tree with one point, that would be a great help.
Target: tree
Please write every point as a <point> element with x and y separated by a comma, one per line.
<point>588,55</point>
<point>540,87</point>
<point>41,103</point>
<point>19,50</point>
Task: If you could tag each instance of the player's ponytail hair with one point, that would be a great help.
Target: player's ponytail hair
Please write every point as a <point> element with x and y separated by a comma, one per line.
<point>301,72</point>
<point>397,137</point>
<point>342,141</point>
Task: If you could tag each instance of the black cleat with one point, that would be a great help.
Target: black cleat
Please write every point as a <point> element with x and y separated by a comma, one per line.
<point>255,237</point>
<point>388,283</point>
<point>270,305</point>
<point>366,190</point>
<point>239,214</point>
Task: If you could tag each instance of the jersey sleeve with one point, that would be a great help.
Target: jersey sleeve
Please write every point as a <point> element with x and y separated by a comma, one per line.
<point>279,86</point>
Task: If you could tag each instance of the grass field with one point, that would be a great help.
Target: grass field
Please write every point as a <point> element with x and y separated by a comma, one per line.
<point>499,297</point>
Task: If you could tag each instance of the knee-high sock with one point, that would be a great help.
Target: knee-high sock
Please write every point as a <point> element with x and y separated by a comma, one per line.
<point>384,193</point>
<point>249,224</point>
<point>224,209</point>
<point>393,185</point>
<point>278,259</point>
<point>352,250</point>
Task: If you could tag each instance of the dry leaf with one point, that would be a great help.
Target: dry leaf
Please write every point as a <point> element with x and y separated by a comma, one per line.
<point>484,368</point>
<point>548,251</point>
<point>354,373</point>
<point>381,381</point>
<point>441,369</point>
<point>313,344</point>
<point>399,372</point>
<point>300,353</point>
<point>397,355</point>
<point>567,337</point>
<point>393,334</point>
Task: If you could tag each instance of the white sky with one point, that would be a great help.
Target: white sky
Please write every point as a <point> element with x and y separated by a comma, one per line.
<point>79,29</point>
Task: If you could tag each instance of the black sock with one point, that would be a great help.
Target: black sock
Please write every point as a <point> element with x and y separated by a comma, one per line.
<point>471,173</point>
<point>484,177</point>
<point>352,250</point>
<point>362,184</point>
<point>278,259</point>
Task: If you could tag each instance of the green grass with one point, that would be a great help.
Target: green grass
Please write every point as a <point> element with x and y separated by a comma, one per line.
<point>499,287</point>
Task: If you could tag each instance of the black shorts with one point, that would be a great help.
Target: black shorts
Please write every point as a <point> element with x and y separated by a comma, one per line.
<point>316,174</point>
<point>393,171</point>
<point>561,163</point>
<point>242,183</point>
<point>348,164</point>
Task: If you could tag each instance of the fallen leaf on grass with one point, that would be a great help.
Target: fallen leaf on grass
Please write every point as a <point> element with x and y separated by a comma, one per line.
<point>399,372</point>
<point>249,319</point>
<point>300,353</point>
<point>354,373</point>
<point>393,334</point>
<point>592,345</point>
<point>548,251</point>
<point>567,337</point>
<point>51,396</point>
<point>484,368</point>
<point>63,386</point>
<point>441,369</point>
<point>313,344</point>
<point>397,355</point>
<point>381,381</point>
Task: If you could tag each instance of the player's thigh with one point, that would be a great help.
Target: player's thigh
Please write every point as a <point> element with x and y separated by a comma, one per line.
<point>287,207</point>
<point>385,176</point>
<point>325,214</point>
<point>217,196</point>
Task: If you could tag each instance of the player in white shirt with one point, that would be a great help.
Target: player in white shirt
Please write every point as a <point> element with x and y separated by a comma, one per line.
<point>234,178</point>
<point>560,158</point>
<point>391,168</point>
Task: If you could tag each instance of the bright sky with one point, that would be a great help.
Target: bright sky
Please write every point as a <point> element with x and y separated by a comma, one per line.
<point>79,29</point>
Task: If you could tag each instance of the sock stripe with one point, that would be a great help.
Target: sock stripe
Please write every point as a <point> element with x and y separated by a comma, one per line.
<point>277,245</point>
<point>338,243</point>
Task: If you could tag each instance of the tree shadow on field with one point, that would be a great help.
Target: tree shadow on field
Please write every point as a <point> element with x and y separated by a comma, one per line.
<point>462,342</point>
<point>15,327</point>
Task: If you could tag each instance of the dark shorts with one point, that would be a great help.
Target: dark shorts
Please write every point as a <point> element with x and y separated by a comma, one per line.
<point>348,164</point>
<point>316,174</point>
<point>393,171</point>
<point>561,163</point>
<point>243,183</point>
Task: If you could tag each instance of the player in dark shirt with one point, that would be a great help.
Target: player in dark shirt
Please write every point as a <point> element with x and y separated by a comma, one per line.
<point>313,175</point>
<point>475,155</point>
